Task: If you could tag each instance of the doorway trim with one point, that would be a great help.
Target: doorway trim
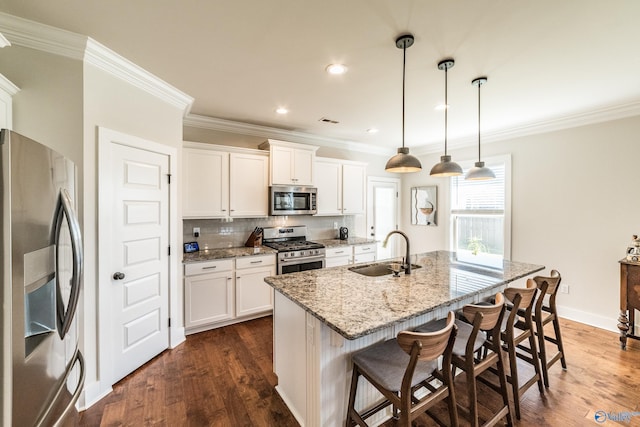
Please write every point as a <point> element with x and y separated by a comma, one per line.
<point>176,329</point>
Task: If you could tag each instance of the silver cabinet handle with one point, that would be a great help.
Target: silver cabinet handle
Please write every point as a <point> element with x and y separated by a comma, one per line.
<point>118,276</point>
<point>256,262</point>
<point>209,267</point>
<point>339,252</point>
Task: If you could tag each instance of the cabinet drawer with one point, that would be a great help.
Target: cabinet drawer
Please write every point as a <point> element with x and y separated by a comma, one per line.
<point>208,267</point>
<point>364,249</point>
<point>338,251</point>
<point>255,261</point>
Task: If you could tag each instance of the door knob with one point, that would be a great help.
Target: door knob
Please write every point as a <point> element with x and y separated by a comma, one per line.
<point>118,276</point>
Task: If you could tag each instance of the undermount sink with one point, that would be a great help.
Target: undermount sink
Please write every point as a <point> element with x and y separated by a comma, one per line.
<point>380,269</point>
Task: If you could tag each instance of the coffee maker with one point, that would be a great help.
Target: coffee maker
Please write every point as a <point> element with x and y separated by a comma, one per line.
<point>344,233</point>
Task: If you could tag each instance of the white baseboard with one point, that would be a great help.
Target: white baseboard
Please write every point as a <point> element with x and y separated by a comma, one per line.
<point>92,393</point>
<point>591,319</point>
<point>176,337</point>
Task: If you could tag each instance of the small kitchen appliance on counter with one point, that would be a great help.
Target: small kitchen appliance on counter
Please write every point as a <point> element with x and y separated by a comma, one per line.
<point>344,233</point>
<point>255,239</point>
<point>295,253</point>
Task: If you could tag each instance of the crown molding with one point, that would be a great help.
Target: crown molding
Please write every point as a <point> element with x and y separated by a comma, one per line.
<point>604,114</point>
<point>230,126</point>
<point>109,61</point>
<point>34,35</point>
<point>8,86</point>
<point>3,41</point>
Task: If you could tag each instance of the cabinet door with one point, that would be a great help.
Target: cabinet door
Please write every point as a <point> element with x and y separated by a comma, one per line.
<point>303,167</point>
<point>353,189</point>
<point>248,185</point>
<point>253,295</point>
<point>205,178</point>
<point>329,183</point>
<point>208,298</point>
<point>281,166</point>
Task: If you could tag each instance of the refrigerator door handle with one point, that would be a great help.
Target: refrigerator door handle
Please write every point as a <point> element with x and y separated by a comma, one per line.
<point>65,209</point>
<point>77,358</point>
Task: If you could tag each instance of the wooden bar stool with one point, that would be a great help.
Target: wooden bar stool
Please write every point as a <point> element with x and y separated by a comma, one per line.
<point>400,367</point>
<point>545,312</point>
<point>469,355</point>
<point>517,326</point>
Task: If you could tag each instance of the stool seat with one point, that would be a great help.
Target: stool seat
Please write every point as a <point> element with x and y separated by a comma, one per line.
<point>464,332</point>
<point>386,363</point>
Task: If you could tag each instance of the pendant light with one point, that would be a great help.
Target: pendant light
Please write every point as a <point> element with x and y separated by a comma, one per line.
<point>479,171</point>
<point>403,162</point>
<point>446,167</point>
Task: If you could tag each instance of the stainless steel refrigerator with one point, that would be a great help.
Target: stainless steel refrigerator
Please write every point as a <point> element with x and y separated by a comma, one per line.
<point>42,371</point>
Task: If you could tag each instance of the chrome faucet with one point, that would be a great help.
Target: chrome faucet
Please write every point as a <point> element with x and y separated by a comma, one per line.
<point>407,257</point>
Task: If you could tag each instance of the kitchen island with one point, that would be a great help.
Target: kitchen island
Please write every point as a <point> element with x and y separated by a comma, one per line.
<point>322,316</point>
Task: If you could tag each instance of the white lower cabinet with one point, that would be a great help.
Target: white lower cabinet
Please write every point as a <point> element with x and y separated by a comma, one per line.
<point>335,257</point>
<point>208,296</point>
<point>364,253</point>
<point>253,295</point>
<point>222,292</point>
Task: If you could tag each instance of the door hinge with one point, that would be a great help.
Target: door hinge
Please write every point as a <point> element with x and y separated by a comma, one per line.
<point>169,250</point>
<point>169,321</point>
<point>169,178</point>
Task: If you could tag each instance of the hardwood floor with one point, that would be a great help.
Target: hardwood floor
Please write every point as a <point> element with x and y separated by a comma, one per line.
<point>224,377</point>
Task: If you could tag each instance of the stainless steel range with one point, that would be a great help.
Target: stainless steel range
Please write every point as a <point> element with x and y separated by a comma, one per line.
<point>295,253</point>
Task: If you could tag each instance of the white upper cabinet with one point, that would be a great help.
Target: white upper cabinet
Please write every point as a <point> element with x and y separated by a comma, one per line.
<point>248,185</point>
<point>329,183</point>
<point>341,186</point>
<point>290,164</point>
<point>221,184</point>
<point>205,179</point>
<point>354,185</point>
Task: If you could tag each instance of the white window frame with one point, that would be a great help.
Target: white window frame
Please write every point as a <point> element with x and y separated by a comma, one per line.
<point>506,159</point>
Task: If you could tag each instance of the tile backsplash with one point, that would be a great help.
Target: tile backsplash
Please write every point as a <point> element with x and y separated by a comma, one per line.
<point>220,233</point>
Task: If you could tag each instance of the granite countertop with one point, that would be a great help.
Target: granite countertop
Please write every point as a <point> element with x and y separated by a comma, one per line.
<point>355,305</point>
<point>332,243</point>
<point>211,254</point>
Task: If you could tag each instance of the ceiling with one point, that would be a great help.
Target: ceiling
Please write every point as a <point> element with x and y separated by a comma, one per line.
<point>549,63</point>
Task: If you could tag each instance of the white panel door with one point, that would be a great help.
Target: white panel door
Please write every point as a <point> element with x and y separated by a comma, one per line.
<point>139,256</point>
<point>382,214</point>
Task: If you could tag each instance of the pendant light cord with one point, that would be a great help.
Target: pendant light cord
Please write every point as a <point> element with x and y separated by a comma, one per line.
<point>446,108</point>
<point>404,61</point>
<point>479,84</point>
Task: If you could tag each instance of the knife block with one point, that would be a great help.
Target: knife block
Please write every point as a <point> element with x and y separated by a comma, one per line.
<point>254,240</point>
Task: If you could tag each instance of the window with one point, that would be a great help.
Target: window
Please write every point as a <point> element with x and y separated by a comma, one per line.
<point>480,215</point>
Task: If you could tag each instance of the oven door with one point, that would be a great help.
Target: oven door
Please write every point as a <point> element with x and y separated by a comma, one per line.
<point>304,264</point>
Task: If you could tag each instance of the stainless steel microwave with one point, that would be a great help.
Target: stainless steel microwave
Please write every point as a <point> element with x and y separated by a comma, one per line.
<point>287,200</point>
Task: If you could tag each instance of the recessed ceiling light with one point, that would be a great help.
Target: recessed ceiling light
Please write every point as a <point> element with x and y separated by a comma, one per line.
<point>336,69</point>
<point>442,107</point>
<point>372,130</point>
<point>281,110</point>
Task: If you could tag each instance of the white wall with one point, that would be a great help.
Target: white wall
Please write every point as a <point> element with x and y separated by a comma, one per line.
<point>115,104</point>
<point>574,208</point>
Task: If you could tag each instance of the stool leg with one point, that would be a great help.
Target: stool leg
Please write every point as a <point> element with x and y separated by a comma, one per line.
<point>556,327</point>
<point>352,397</point>
<point>542,351</point>
<point>515,385</point>
<point>503,386</point>
<point>536,361</point>
<point>473,393</point>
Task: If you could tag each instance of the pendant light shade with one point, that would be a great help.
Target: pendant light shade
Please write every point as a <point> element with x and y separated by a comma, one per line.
<point>446,167</point>
<point>403,162</point>
<point>479,171</point>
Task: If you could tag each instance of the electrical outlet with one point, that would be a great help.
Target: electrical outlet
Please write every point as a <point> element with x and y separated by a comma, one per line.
<point>564,289</point>
<point>196,231</point>
<point>335,225</point>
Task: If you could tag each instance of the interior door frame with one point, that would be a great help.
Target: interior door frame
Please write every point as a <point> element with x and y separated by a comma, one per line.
<point>176,329</point>
<point>370,220</point>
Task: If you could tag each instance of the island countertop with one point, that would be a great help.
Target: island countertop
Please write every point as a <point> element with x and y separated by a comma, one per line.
<point>355,305</point>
